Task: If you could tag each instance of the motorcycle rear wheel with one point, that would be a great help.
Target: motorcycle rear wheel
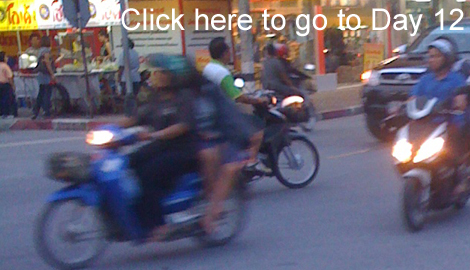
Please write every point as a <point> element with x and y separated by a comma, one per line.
<point>232,219</point>
<point>296,161</point>
<point>414,204</point>
<point>71,232</point>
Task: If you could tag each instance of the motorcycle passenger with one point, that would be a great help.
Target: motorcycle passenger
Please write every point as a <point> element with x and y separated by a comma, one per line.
<point>217,73</point>
<point>282,52</point>
<point>222,131</point>
<point>172,150</point>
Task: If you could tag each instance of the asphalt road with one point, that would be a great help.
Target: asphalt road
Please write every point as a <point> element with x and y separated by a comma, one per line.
<point>349,218</point>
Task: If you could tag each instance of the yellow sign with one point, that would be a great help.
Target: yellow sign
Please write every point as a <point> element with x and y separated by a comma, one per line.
<point>373,55</point>
<point>48,14</point>
<point>17,15</point>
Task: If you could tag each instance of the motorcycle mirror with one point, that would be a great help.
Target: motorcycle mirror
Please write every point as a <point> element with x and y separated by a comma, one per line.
<point>400,49</point>
<point>309,67</point>
<point>239,82</point>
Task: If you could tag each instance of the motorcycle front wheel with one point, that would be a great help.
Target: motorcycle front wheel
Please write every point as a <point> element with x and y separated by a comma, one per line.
<point>312,121</point>
<point>230,223</point>
<point>297,163</point>
<point>70,235</point>
<point>415,204</point>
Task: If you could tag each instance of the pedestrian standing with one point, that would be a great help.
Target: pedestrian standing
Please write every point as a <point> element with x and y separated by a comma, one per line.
<point>46,78</point>
<point>134,65</point>
<point>6,86</point>
<point>35,42</point>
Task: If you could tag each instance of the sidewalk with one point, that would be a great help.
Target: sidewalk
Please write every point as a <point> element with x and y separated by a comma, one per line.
<point>345,101</point>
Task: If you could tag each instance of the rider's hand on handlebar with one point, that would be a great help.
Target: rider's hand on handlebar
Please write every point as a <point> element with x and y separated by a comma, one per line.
<point>263,100</point>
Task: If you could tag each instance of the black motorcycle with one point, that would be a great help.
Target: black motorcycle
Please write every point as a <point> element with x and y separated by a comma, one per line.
<point>434,178</point>
<point>292,157</point>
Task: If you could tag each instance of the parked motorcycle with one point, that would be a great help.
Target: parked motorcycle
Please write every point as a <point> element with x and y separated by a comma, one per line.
<point>433,179</point>
<point>292,157</point>
<point>99,204</point>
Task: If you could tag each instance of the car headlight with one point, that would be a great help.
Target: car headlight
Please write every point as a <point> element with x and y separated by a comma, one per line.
<point>429,149</point>
<point>371,77</point>
<point>402,151</point>
<point>99,137</point>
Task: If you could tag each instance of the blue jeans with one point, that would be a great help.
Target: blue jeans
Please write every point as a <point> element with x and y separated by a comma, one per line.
<point>5,98</point>
<point>43,100</point>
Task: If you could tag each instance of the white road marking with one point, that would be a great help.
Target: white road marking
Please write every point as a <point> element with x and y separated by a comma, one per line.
<point>349,86</point>
<point>24,143</point>
<point>363,151</point>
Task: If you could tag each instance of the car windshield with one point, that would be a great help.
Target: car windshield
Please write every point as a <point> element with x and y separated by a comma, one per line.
<point>461,38</point>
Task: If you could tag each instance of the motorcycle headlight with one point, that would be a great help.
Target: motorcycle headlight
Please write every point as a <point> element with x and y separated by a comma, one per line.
<point>371,77</point>
<point>99,137</point>
<point>429,149</point>
<point>292,100</point>
<point>402,151</point>
<point>239,83</point>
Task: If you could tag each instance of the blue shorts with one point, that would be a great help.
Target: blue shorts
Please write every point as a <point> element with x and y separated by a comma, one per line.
<point>229,153</point>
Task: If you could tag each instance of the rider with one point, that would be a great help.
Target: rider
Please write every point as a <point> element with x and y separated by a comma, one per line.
<point>440,82</point>
<point>275,72</point>
<point>222,132</point>
<point>443,83</point>
<point>172,150</point>
<point>217,73</point>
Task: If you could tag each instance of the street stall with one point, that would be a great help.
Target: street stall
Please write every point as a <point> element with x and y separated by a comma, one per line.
<point>50,16</point>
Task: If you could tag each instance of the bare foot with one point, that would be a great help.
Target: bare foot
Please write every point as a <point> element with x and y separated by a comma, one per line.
<point>212,214</point>
<point>207,224</point>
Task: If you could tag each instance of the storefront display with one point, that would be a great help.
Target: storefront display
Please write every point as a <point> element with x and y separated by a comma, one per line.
<point>33,15</point>
<point>146,39</point>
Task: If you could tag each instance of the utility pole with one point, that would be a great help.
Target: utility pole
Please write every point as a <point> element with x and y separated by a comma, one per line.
<point>308,51</point>
<point>246,41</point>
<point>90,99</point>
<point>129,99</point>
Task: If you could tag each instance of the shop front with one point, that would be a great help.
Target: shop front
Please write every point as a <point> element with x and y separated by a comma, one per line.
<point>20,19</point>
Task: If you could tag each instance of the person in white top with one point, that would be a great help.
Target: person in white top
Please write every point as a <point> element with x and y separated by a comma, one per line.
<point>6,86</point>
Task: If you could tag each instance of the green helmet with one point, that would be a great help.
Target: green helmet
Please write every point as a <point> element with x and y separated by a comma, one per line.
<point>177,65</point>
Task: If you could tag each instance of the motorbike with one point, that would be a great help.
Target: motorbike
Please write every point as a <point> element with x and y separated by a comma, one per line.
<point>99,204</point>
<point>424,157</point>
<point>291,156</point>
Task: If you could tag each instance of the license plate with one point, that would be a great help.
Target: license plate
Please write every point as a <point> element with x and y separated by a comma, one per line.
<point>394,107</point>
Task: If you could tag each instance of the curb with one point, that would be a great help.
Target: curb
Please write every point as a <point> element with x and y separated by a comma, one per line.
<point>341,113</point>
<point>53,124</point>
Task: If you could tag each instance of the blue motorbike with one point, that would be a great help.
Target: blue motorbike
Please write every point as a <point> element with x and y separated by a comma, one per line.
<point>99,205</point>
